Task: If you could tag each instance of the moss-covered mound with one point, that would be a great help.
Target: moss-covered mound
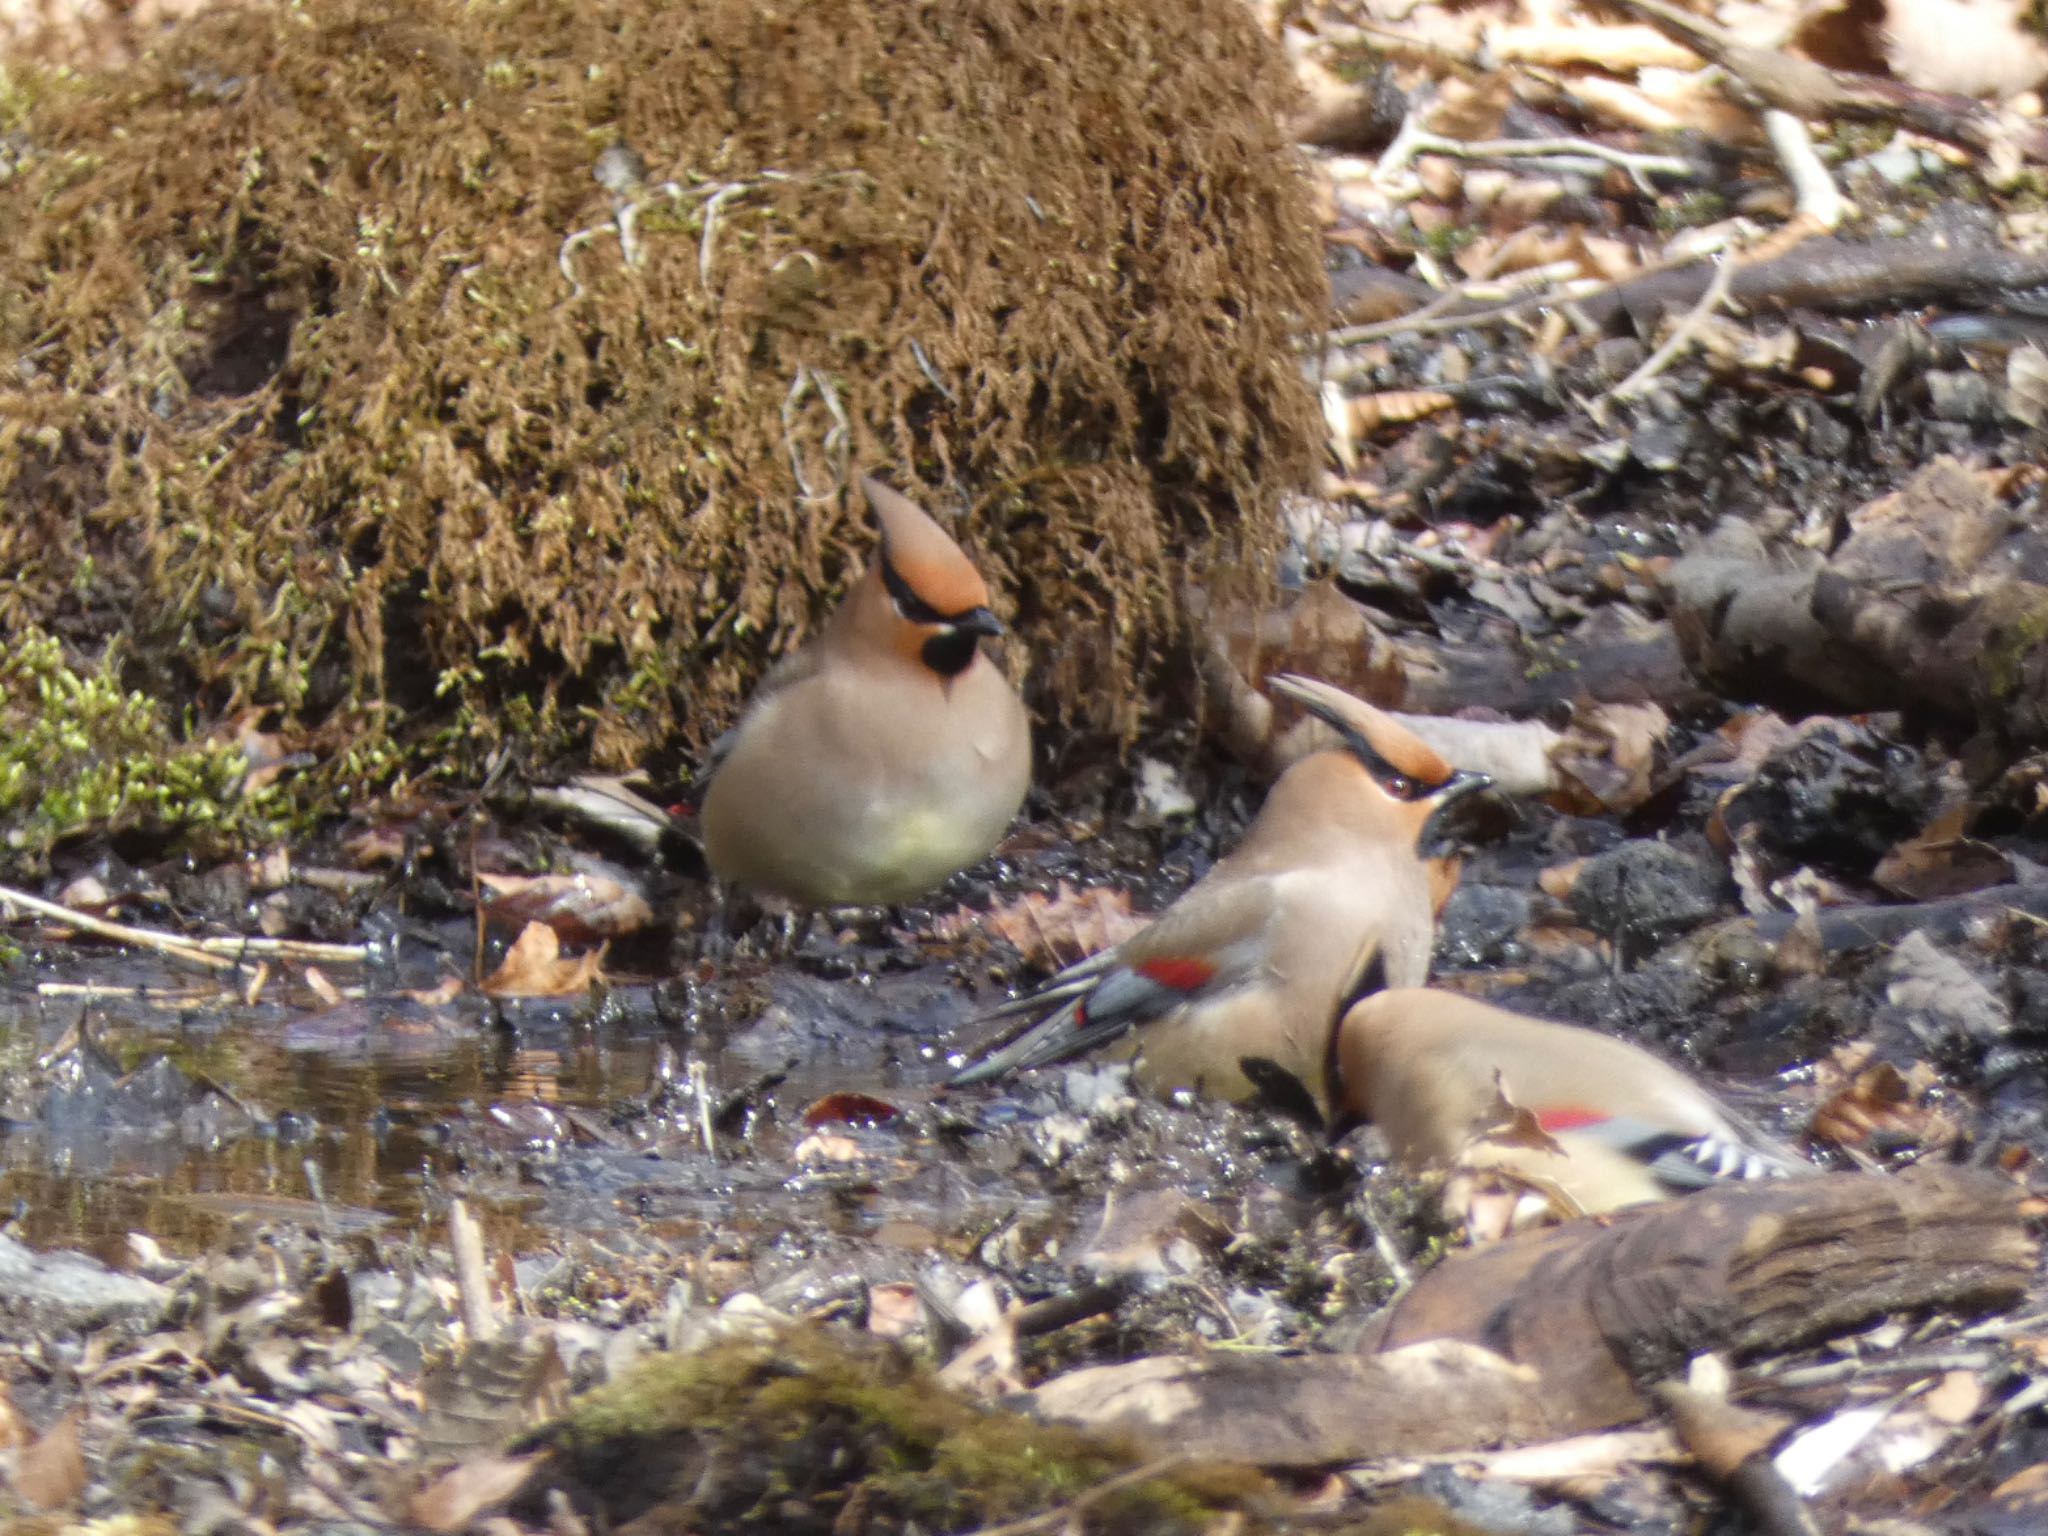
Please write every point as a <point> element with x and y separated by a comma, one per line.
<point>809,1431</point>
<point>313,391</point>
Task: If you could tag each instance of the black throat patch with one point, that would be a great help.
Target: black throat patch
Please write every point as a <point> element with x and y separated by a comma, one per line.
<point>948,653</point>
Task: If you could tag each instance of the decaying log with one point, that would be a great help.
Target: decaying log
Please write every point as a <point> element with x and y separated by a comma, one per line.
<point>1559,1333</point>
<point>1938,597</point>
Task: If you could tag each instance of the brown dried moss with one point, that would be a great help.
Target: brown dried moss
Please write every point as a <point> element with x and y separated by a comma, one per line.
<point>299,395</point>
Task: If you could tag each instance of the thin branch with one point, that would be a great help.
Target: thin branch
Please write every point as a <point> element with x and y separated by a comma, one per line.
<point>1681,335</point>
<point>144,938</point>
<point>1412,141</point>
<point>1819,199</point>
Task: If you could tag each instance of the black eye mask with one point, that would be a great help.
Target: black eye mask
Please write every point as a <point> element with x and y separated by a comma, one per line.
<point>950,651</point>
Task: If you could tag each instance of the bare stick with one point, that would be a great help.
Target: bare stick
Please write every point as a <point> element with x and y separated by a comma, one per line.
<point>1681,334</point>
<point>1819,199</point>
<point>144,938</point>
<point>472,1276</point>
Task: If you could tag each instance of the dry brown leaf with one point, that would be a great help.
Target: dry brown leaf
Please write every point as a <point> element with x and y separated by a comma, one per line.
<point>1941,861</point>
<point>455,1498</point>
<point>1862,1098</point>
<point>440,995</point>
<point>824,1148</point>
<point>895,1310</point>
<point>51,1472</point>
<point>374,847</point>
<point>1956,1398</point>
<point>1801,952</point>
<point>536,967</point>
<point>1611,751</point>
<point>1557,880</point>
<point>582,907</point>
<point>987,1366</point>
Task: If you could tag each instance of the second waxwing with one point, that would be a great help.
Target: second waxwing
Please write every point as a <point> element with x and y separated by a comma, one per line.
<point>1326,896</point>
<point>1602,1123</point>
<point>887,755</point>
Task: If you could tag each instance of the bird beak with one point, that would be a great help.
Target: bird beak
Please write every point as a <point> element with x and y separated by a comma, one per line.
<point>978,621</point>
<point>1458,786</point>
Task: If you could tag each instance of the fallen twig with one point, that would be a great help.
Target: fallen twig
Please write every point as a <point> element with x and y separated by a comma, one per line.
<point>1681,336</point>
<point>1819,199</point>
<point>1412,141</point>
<point>171,945</point>
<point>472,1276</point>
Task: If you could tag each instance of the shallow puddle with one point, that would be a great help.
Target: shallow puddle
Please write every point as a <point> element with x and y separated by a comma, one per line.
<point>171,1108</point>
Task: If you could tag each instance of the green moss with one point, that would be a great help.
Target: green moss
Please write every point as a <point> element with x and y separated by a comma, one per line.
<point>79,753</point>
<point>804,1424</point>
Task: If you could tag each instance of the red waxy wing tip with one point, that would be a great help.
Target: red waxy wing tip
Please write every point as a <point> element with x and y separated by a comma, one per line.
<point>1177,973</point>
<point>1570,1118</point>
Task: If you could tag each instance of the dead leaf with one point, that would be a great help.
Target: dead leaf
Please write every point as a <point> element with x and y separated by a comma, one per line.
<point>1862,1098</point>
<point>536,967</point>
<point>455,1498</point>
<point>987,1367</point>
<point>1939,862</point>
<point>581,907</point>
<point>1323,633</point>
<point>51,1472</point>
<point>1611,751</point>
<point>87,894</point>
<point>828,1148</point>
<point>440,995</point>
<point>1956,1398</point>
<point>1801,952</point>
<point>895,1310</point>
<point>374,847</point>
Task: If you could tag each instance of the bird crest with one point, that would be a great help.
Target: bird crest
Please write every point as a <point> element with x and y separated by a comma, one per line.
<point>929,576</point>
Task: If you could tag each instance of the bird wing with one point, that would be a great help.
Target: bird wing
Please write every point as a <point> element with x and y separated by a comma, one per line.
<point>792,669</point>
<point>1210,941</point>
<point>1677,1159</point>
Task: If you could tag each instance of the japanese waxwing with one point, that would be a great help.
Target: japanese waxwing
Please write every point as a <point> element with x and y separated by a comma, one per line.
<point>1326,897</point>
<point>1590,1122</point>
<point>889,753</point>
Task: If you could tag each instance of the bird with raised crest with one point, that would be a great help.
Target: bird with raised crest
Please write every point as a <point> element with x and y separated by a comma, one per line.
<point>1239,983</point>
<point>888,754</point>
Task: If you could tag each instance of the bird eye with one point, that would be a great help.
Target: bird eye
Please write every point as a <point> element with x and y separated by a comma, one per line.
<point>1400,786</point>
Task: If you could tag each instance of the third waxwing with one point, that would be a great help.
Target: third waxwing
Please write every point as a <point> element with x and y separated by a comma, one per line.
<point>1326,896</point>
<point>888,754</point>
<point>1612,1124</point>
